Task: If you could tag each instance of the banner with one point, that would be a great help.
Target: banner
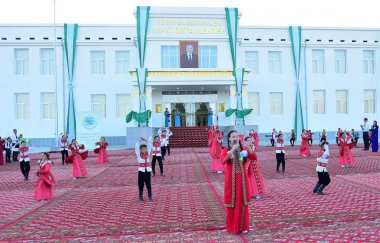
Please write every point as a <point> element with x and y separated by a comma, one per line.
<point>70,38</point>
<point>295,37</point>
<point>89,129</point>
<point>142,73</point>
<point>142,30</point>
<point>232,16</point>
<point>239,77</point>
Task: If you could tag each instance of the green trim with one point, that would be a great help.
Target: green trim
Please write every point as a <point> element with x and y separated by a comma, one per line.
<point>141,40</point>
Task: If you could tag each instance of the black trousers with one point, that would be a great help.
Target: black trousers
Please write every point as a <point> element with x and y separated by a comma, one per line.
<point>292,140</point>
<point>272,142</point>
<point>15,154</point>
<point>163,152</point>
<point>154,159</point>
<point>366,140</point>
<point>168,149</point>
<point>280,157</point>
<point>337,141</point>
<point>310,141</point>
<point>8,155</point>
<point>324,178</point>
<point>25,168</point>
<point>64,154</point>
<point>322,140</point>
<point>144,178</point>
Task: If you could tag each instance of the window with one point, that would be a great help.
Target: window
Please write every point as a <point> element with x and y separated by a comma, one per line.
<point>48,105</point>
<point>274,61</point>
<point>318,61</point>
<point>98,106</point>
<point>254,103</point>
<point>208,56</point>
<point>369,61</point>
<point>22,106</point>
<point>319,100</point>
<point>369,101</point>
<point>122,62</point>
<point>340,61</point>
<point>341,102</point>
<point>47,61</point>
<point>97,62</point>
<point>275,100</point>
<point>21,61</point>
<point>252,61</point>
<point>169,56</point>
<point>124,106</point>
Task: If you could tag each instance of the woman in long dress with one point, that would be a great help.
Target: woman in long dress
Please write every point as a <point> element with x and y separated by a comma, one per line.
<point>304,147</point>
<point>374,137</point>
<point>216,145</point>
<point>102,151</point>
<point>345,155</point>
<point>2,141</point>
<point>254,174</point>
<point>46,181</point>
<point>177,118</point>
<point>210,117</point>
<point>236,185</point>
<point>78,154</point>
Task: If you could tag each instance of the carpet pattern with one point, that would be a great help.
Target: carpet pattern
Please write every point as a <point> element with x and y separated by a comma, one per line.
<point>187,203</point>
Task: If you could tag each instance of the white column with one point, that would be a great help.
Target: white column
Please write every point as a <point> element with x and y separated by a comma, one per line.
<point>149,101</point>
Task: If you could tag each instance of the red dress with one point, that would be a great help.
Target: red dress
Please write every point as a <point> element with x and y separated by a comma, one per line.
<point>304,148</point>
<point>79,169</point>
<point>236,193</point>
<point>102,155</point>
<point>46,181</point>
<point>254,175</point>
<point>216,152</point>
<point>345,154</point>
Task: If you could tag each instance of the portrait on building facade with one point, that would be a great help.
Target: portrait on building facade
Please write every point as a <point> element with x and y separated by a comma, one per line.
<point>188,54</point>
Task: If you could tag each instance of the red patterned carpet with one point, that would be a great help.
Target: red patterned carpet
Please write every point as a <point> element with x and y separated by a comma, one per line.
<point>188,204</point>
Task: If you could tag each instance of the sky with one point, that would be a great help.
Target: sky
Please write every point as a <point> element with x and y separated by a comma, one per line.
<point>333,13</point>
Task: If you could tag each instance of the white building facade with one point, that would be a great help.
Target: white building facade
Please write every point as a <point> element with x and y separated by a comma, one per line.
<point>339,78</point>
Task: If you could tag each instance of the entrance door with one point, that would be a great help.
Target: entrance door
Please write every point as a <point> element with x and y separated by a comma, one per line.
<point>201,115</point>
<point>181,109</point>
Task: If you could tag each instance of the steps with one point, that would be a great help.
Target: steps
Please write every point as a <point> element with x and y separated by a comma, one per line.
<point>188,137</point>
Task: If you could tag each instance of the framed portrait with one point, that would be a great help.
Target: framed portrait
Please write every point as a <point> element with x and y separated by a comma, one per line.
<point>188,51</point>
<point>158,108</point>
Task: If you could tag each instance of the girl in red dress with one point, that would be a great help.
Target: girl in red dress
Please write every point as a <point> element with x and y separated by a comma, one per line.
<point>212,133</point>
<point>254,174</point>
<point>2,141</point>
<point>216,146</point>
<point>236,185</point>
<point>78,154</point>
<point>345,155</point>
<point>304,148</point>
<point>102,151</point>
<point>46,181</point>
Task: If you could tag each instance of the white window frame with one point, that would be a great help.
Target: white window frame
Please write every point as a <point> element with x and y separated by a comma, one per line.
<point>176,55</point>
<point>275,64</point>
<point>208,56</point>
<point>24,106</point>
<point>99,63</point>
<point>318,64</point>
<point>126,104</point>
<point>50,106</point>
<point>252,105</point>
<point>369,63</point>
<point>24,62</point>
<point>341,111</point>
<point>369,103</point>
<point>124,63</point>
<point>252,62</point>
<point>93,104</point>
<point>277,111</point>
<point>48,62</point>
<point>317,110</point>
<point>340,63</point>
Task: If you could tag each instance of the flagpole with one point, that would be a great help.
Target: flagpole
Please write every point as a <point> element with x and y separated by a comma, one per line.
<point>55,79</point>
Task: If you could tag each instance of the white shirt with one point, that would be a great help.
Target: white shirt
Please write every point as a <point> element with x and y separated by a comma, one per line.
<point>323,159</point>
<point>156,151</point>
<point>14,138</point>
<point>165,140</point>
<point>64,145</point>
<point>280,147</point>
<point>365,127</point>
<point>8,145</point>
<point>24,156</point>
<point>141,160</point>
